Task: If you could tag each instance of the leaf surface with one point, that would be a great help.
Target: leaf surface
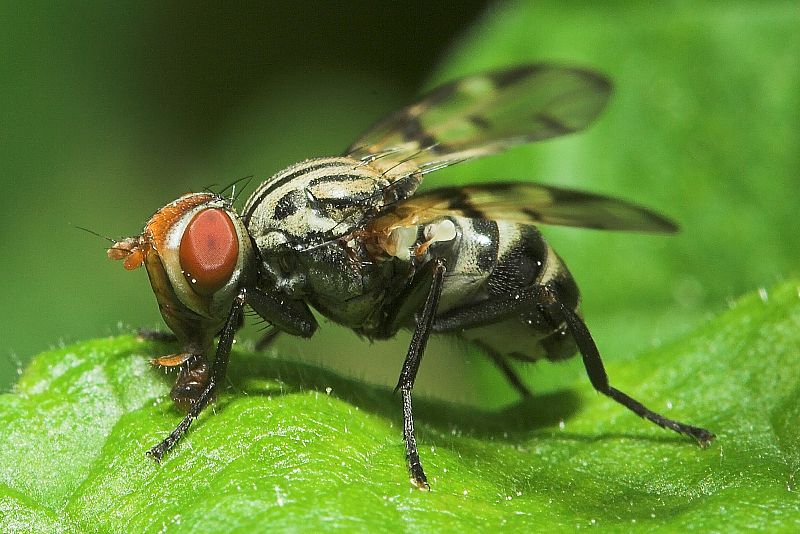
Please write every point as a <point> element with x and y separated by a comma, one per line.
<point>281,451</point>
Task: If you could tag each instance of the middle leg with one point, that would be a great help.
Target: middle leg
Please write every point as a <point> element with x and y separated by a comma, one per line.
<point>409,372</point>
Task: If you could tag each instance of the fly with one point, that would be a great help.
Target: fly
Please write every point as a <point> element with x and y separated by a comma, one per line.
<point>349,237</point>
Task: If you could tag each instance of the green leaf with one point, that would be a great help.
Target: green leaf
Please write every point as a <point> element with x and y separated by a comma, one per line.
<point>295,446</point>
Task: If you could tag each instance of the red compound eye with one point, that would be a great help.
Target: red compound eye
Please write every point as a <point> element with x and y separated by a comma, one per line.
<point>209,250</point>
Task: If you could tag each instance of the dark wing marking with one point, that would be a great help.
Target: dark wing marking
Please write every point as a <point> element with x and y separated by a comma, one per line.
<point>483,114</point>
<point>528,203</point>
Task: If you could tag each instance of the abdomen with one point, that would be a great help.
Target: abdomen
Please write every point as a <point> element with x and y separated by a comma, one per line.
<point>488,265</point>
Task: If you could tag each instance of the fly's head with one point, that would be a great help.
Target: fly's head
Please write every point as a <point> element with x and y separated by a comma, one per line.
<point>197,254</point>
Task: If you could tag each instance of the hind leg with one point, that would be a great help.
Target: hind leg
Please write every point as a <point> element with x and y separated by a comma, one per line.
<point>547,301</point>
<point>543,309</point>
<point>502,363</point>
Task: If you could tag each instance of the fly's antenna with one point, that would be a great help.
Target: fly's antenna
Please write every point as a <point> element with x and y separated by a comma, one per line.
<point>101,236</point>
<point>120,248</point>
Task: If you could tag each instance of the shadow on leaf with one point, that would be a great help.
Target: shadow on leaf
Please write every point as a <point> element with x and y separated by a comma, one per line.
<point>255,374</point>
<point>260,375</point>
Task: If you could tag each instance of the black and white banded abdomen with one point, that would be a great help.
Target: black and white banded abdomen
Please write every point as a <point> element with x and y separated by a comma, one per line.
<point>489,264</point>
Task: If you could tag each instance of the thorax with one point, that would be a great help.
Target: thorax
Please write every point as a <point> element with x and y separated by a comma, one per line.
<point>304,223</point>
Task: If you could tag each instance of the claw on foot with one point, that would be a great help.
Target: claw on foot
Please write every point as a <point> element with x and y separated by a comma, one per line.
<point>155,453</point>
<point>421,485</point>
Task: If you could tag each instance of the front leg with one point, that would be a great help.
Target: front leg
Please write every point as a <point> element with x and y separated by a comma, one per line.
<point>193,374</point>
<point>409,372</point>
<point>218,371</point>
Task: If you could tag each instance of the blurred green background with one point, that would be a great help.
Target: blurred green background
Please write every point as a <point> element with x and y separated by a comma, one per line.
<point>111,111</point>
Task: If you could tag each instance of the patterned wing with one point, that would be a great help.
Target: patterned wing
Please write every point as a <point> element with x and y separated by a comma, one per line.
<point>483,114</point>
<point>526,203</point>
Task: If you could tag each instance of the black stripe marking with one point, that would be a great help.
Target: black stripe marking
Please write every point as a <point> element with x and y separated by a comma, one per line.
<point>288,205</point>
<point>480,122</point>
<point>511,76</point>
<point>532,213</point>
<point>284,179</point>
<point>414,131</point>
<point>521,265</point>
<point>468,210</point>
<point>439,95</point>
<point>458,199</point>
<point>553,123</point>
<point>503,186</point>
<point>570,195</point>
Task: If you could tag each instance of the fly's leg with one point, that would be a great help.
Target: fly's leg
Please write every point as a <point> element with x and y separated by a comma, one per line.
<point>409,372</point>
<point>549,303</point>
<point>505,367</point>
<point>193,374</point>
<point>191,382</point>
<point>218,371</point>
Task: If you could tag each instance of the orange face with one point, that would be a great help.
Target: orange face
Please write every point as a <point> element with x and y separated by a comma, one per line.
<point>197,253</point>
